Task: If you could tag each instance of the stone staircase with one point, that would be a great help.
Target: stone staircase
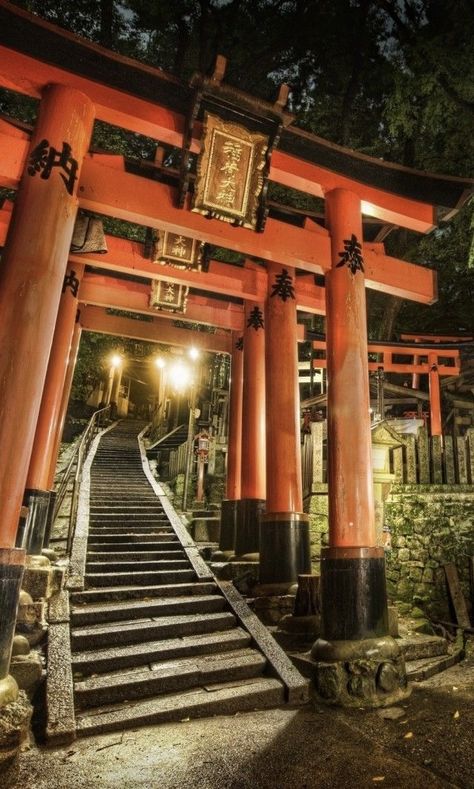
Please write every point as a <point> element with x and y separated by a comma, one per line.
<point>153,636</point>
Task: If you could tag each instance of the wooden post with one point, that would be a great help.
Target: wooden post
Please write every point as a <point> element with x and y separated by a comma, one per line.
<point>354,604</point>
<point>253,480</point>
<point>435,397</point>
<point>284,533</point>
<point>71,366</point>
<point>37,493</point>
<point>31,278</point>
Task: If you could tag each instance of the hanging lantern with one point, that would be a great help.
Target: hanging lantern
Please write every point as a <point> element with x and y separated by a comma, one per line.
<point>168,296</point>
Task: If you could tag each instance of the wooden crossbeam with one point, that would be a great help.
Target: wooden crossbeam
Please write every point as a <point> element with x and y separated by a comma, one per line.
<point>159,330</point>
<point>137,97</point>
<point>107,189</point>
<point>434,356</point>
<point>107,291</point>
<point>248,283</point>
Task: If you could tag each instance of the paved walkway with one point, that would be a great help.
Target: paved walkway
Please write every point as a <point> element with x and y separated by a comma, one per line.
<point>429,746</point>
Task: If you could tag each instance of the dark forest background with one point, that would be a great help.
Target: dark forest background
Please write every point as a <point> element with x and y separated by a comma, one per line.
<point>390,78</point>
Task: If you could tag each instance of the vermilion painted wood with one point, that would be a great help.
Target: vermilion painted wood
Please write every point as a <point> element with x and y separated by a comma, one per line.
<point>108,189</point>
<point>253,481</point>
<point>284,487</point>
<point>351,506</point>
<point>234,452</point>
<point>128,256</point>
<point>71,365</point>
<point>27,75</point>
<point>160,330</point>
<point>103,291</point>
<point>409,367</point>
<point>49,416</point>
<point>31,278</point>
<point>435,396</point>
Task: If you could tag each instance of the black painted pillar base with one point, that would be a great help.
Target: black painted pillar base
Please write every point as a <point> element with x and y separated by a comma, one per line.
<point>31,532</point>
<point>49,520</point>
<point>12,564</point>
<point>227,531</point>
<point>353,594</point>
<point>284,550</point>
<point>356,662</point>
<point>247,528</point>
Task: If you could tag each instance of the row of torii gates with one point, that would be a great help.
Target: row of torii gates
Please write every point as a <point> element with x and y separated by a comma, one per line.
<point>54,173</point>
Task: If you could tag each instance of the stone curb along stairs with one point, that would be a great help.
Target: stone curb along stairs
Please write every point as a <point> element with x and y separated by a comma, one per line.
<point>145,633</point>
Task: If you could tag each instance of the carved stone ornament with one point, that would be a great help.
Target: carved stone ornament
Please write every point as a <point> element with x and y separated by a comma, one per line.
<point>168,296</point>
<point>172,249</point>
<point>230,170</point>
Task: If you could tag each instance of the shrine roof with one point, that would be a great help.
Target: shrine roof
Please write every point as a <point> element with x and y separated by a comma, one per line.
<point>34,38</point>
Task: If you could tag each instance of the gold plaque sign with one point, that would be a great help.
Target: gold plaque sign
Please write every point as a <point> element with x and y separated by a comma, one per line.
<point>230,172</point>
<point>171,249</point>
<point>168,296</point>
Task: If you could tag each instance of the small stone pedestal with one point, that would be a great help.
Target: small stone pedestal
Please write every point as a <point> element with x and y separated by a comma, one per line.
<point>15,720</point>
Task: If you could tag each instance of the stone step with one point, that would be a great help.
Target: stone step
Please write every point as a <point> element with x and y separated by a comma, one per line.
<point>124,548</point>
<point>219,699</point>
<point>135,515</point>
<point>133,528</point>
<point>115,658</point>
<point>132,632</point>
<point>136,578</point>
<point>118,593</point>
<point>114,505</point>
<point>137,567</point>
<point>126,541</point>
<point>419,670</point>
<point>153,555</point>
<point>167,677</point>
<point>115,612</point>
<point>417,646</point>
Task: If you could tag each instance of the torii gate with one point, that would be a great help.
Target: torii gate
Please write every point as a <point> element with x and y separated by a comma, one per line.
<point>54,174</point>
<point>440,362</point>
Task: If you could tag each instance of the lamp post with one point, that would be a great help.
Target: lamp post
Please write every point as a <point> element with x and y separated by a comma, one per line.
<point>194,355</point>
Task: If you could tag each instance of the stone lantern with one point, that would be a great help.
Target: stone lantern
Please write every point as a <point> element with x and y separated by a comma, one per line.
<point>384,441</point>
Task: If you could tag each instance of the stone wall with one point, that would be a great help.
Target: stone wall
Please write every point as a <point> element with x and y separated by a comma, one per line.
<point>431,525</point>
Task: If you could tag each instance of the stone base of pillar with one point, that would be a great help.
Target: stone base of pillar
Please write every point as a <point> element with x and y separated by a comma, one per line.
<point>247,528</point>
<point>227,532</point>
<point>32,531</point>
<point>284,550</point>
<point>355,662</point>
<point>11,573</point>
<point>366,673</point>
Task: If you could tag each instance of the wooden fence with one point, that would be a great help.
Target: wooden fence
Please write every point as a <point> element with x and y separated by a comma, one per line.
<point>177,461</point>
<point>420,460</point>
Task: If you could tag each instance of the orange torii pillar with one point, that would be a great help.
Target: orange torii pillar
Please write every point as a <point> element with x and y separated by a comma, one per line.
<point>31,278</point>
<point>38,497</point>
<point>71,366</point>
<point>436,428</point>
<point>356,658</point>
<point>253,480</point>
<point>234,453</point>
<point>284,531</point>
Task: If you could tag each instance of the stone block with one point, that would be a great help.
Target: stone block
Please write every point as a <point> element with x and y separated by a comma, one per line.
<point>27,671</point>
<point>14,727</point>
<point>31,621</point>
